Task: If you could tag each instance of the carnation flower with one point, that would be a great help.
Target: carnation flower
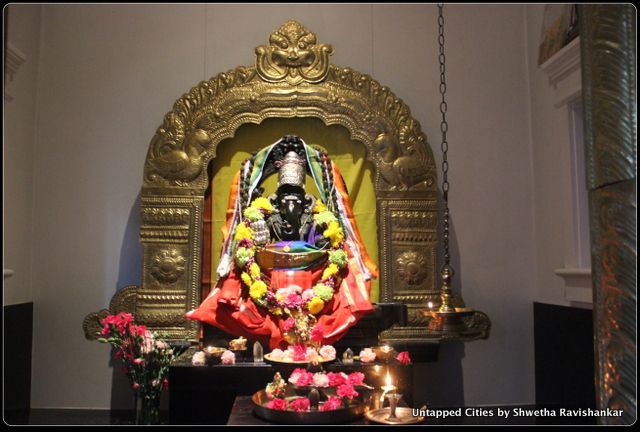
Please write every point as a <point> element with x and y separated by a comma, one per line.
<point>243,232</point>
<point>328,352</point>
<point>319,207</point>
<point>367,355</point>
<point>282,293</point>
<point>308,295</point>
<point>300,404</point>
<point>403,358</point>
<point>246,279</point>
<point>334,233</point>
<point>262,203</point>
<point>258,290</point>
<point>277,404</point>
<point>332,403</point>
<point>320,380</point>
<point>254,270</point>
<point>243,255</point>
<point>317,333</point>
<point>324,217</point>
<point>301,378</point>
<point>198,359</point>
<point>288,324</point>
<point>312,354</point>
<point>324,292</point>
<point>337,378</point>
<point>338,257</point>
<point>293,378</point>
<point>161,345</point>
<point>331,270</point>
<point>299,353</point>
<point>356,378</point>
<point>293,301</point>
<point>315,305</point>
<point>346,391</point>
<point>253,214</point>
<point>228,358</point>
<point>148,342</point>
<point>277,354</point>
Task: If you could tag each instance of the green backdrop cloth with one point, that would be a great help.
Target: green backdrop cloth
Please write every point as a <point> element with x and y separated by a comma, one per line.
<point>349,155</point>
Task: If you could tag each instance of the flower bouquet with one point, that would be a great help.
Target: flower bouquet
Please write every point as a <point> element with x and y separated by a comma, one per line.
<point>145,360</point>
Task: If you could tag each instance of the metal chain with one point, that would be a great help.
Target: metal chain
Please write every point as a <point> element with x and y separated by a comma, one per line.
<point>444,127</point>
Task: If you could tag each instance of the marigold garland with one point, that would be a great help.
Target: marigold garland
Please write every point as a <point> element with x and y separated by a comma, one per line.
<point>297,305</point>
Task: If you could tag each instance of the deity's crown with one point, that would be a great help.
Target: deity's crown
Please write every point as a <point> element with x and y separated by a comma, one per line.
<point>292,170</point>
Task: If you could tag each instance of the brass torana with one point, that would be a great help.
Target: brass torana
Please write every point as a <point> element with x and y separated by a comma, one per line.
<point>292,78</point>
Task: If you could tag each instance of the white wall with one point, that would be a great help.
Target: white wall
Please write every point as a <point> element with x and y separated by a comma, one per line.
<point>19,135</point>
<point>552,172</point>
<point>111,72</point>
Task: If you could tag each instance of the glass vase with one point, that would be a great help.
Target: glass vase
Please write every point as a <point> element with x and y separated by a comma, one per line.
<point>148,409</point>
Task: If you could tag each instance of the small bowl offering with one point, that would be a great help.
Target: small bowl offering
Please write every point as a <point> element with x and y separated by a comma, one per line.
<point>384,352</point>
<point>212,354</point>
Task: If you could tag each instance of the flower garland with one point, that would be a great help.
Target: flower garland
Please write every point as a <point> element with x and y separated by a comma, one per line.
<point>298,305</point>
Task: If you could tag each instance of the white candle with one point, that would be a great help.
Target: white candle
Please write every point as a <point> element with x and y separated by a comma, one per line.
<point>387,387</point>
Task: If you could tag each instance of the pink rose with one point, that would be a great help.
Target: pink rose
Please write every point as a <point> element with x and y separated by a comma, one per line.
<point>332,403</point>
<point>277,404</point>
<point>356,378</point>
<point>135,386</point>
<point>346,391</point>
<point>165,383</point>
<point>155,383</point>
<point>228,358</point>
<point>300,404</point>
<point>367,355</point>
<point>138,361</point>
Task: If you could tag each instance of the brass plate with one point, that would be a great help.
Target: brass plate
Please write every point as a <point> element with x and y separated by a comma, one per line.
<point>403,416</point>
<point>304,362</point>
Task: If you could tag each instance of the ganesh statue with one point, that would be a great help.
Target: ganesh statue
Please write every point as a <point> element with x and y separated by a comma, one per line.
<point>293,269</point>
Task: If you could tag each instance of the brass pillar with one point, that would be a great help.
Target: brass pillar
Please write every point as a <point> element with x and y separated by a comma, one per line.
<point>608,34</point>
